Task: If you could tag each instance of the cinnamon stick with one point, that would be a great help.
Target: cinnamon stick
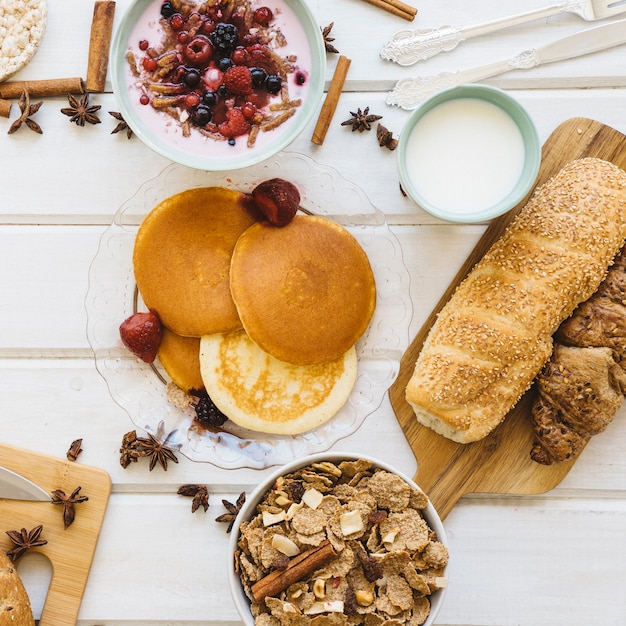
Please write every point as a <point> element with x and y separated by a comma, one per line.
<point>99,44</point>
<point>395,7</point>
<point>5,108</point>
<point>42,88</point>
<point>299,568</point>
<point>332,99</point>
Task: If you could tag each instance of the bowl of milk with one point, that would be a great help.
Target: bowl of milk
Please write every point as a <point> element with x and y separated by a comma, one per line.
<point>469,154</point>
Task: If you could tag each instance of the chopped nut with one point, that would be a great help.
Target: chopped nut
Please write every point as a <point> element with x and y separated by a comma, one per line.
<point>333,606</point>
<point>364,598</point>
<point>283,500</point>
<point>351,522</point>
<point>273,518</point>
<point>391,535</point>
<point>285,545</point>
<point>319,588</point>
<point>312,498</point>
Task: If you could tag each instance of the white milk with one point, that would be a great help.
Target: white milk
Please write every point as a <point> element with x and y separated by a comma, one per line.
<point>465,155</point>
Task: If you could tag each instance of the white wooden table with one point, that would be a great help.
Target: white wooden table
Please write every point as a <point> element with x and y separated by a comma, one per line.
<point>558,558</point>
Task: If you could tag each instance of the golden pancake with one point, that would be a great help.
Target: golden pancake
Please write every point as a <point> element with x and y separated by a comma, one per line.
<point>305,292</point>
<point>182,256</point>
<point>260,393</point>
<point>180,358</point>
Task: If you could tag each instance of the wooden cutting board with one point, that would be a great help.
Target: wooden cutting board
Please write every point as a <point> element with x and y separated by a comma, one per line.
<point>500,463</point>
<point>70,551</point>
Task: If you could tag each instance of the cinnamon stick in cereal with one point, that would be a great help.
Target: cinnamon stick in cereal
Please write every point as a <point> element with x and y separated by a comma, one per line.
<point>299,568</point>
<point>395,7</point>
<point>332,99</point>
<point>99,44</point>
<point>5,108</point>
<point>42,88</point>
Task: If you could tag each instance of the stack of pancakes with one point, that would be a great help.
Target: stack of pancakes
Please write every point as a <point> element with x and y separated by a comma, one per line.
<point>265,318</point>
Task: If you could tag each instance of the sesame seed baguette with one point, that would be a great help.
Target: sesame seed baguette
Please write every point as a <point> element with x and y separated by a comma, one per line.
<point>494,335</point>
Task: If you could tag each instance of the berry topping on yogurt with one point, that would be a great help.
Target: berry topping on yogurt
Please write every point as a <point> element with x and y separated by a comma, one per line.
<point>225,71</point>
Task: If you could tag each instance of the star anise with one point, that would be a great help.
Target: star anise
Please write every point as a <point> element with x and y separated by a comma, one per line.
<point>23,540</point>
<point>79,110</point>
<point>199,493</point>
<point>74,450</point>
<point>122,125</point>
<point>130,452</point>
<point>158,451</point>
<point>233,510</point>
<point>68,502</point>
<point>328,39</point>
<point>385,138</point>
<point>27,110</point>
<point>361,120</point>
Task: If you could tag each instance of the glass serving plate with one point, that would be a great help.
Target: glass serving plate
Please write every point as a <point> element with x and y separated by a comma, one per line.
<point>139,388</point>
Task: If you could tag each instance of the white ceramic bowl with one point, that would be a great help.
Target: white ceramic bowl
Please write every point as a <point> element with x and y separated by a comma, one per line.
<point>248,511</point>
<point>468,154</point>
<point>162,132</point>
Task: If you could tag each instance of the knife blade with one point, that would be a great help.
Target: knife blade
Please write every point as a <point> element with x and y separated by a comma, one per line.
<point>14,486</point>
<point>409,92</point>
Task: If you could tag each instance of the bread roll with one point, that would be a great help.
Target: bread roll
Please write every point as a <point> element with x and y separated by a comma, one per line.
<point>15,607</point>
<point>494,335</point>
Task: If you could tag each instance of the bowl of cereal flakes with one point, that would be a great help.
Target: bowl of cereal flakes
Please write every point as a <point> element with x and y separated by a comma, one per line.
<point>337,539</point>
<point>218,85</point>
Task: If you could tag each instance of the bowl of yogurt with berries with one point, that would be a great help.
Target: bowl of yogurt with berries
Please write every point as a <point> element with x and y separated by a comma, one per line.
<point>218,84</point>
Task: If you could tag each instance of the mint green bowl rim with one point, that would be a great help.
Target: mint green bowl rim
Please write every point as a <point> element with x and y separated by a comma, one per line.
<point>532,148</point>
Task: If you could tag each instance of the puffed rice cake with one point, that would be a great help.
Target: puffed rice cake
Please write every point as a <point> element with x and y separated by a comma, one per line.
<point>22,25</point>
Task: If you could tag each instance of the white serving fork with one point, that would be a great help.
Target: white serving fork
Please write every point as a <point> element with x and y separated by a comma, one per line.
<point>410,46</point>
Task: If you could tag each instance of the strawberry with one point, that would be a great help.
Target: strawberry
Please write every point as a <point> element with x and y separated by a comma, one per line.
<point>277,199</point>
<point>235,125</point>
<point>238,80</point>
<point>141,333</point>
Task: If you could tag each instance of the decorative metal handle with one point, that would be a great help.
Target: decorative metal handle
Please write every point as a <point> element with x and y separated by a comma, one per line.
<point>409,92</point>
<point>408,47</point>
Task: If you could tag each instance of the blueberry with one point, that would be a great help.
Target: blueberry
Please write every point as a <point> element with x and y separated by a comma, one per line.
<point>192,78</point>
<point>222,90</point>
<point>273,83</point>
<point>201,115</point>
<point>258,75</point>
<point>223,64</point>
<point>167,10</point>
<point>209,98</point>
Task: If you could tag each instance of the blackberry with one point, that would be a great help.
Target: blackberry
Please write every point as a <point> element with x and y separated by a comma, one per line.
<point>207,413</point>
<point>225,38</point>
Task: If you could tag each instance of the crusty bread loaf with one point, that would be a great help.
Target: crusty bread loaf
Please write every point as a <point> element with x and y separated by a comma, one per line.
<point>494,335</point>
<point>14,603</point>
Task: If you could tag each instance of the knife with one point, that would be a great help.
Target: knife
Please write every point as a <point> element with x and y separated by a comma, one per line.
<point>15,487</point>
<point>409,92</point>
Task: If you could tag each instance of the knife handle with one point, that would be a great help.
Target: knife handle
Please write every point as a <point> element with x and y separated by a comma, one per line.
<point>408,47</point>
<point>409,92</point>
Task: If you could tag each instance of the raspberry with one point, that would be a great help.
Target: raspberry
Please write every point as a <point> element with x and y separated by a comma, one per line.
<point>235,125</point>
<point>238,80</point>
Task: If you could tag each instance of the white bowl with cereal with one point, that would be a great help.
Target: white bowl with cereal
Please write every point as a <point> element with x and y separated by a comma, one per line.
<point>337,539</point>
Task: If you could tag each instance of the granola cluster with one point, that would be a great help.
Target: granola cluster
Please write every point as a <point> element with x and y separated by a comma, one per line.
<point>387,560</point>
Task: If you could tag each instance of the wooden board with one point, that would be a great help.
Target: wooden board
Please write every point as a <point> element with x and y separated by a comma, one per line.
<point>70,551</point>
<point>500,463</point>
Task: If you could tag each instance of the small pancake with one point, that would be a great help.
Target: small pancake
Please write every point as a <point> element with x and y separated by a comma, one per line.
<point>263,394</point>
<point>305,292</point>
<point>180,358</point>
<point>182,256</point>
